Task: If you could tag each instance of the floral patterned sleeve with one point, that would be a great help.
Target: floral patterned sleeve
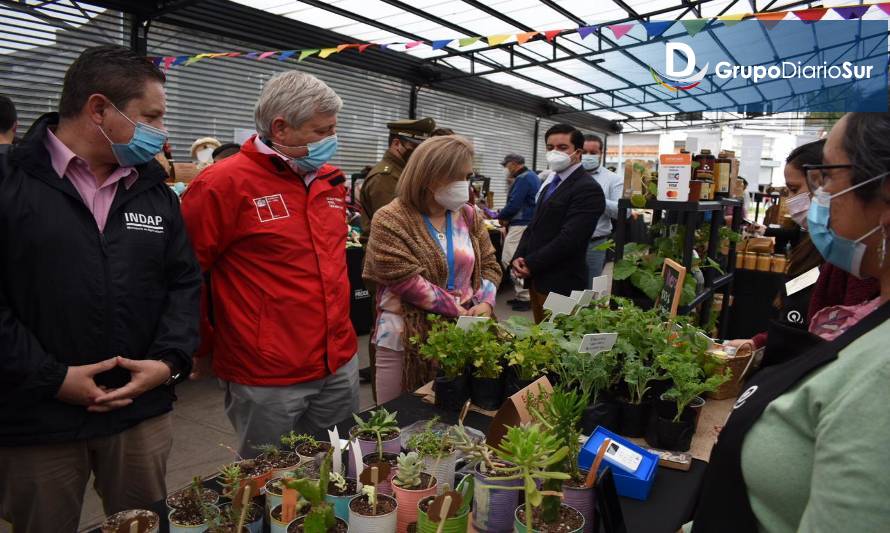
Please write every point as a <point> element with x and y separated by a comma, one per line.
<point>487,294</point>
<point>421,293</point>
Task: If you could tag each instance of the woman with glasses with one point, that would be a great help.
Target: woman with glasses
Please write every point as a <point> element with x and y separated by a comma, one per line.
<point>804,447</point>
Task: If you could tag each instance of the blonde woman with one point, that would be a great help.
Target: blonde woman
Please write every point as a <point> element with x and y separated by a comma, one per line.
<point>428,253</point>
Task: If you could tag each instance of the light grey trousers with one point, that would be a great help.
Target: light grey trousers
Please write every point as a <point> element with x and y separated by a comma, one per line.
<point>260,415</point>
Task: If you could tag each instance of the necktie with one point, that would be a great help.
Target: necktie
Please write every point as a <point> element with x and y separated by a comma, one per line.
<point>551,188</point>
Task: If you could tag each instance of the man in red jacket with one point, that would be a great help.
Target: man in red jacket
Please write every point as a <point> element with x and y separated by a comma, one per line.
<point>269,228</point>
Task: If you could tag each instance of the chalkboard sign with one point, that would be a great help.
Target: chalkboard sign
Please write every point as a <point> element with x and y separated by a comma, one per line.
<point>669,298</point>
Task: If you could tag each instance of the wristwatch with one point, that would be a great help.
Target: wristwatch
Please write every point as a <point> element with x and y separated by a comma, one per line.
<point>175,373</point>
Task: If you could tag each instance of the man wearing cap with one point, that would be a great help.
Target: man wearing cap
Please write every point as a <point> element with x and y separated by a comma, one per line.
<point>516,216</point>
<point>379,189</point>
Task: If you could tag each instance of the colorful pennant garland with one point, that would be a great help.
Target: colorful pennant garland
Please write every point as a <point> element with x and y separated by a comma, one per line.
<point>654,29</point>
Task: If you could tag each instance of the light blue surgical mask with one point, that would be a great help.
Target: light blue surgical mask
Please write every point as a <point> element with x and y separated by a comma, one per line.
<point>320,152</point>
<point>146,143</point>
<point>839,251</point>
<point>590,161</point>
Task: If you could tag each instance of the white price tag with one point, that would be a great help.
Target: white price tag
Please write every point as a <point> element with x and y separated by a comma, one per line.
<point>356,451</point>
<point>594,343</point>
<point>802,282</point>
<point>466,322</point>
<point>584,297</point>
<point>711,342</point>
<point>602,285</point>
<point>559,304</point>
<point>336,444</point>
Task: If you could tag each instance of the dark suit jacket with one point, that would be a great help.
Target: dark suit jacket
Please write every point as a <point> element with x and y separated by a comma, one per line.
<point>554,245</point>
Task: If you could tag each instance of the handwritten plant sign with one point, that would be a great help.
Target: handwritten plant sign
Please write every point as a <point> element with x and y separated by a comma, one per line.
<point>669,298</point>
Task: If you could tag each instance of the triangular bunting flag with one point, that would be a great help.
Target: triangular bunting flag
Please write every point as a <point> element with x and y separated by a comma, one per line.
<point>168,62</point>
<point>769,20</point>
<point>438,45</point>
<point>306,53</point>
<point>251,55</point>
<point>693,26</point>
<point>494,40</point>
<point>264,55</point>
<point>620,30</point>
<point>363,47</point>
<point>523,38</point>
<point>287,54</point>
<point>232,54</point>
<point>550,35</point>
<point>156,61</point>
<point>385,46</point>
<point>467,41</point>
<point>195,59</point>
<point>180,60</point>
<point>325,52</point>
<point>341,47</point>
<point>851,12</point>
<point>585,31</point>
<point>413,44</point>
<point>732,20</point>
<point>656,28</point>
<point>885,7</point>
<point>811,15</point>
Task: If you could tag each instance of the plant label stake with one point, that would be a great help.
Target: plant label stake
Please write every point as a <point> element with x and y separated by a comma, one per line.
<point>584,297</point>
<point>594,343</point>
<point>375,472</point>
<point>558,304</point>
<point>289,505</point>
<point>134,526</point>
<point>337,463</point>
<point>443,513</point>
<point>467,322</point>
<point>602,285</point>
<point>445,506</point>
<point>356,452</point>
<point>463,412</point>
<point>591,474</point>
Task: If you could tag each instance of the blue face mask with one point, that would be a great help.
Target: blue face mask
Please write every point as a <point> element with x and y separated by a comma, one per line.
<point>146,143</point>
<point>320,152</point>
<point>590,161</point>
<point>839,251</point>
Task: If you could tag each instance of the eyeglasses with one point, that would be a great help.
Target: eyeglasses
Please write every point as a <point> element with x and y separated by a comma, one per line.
<point>818,175</point>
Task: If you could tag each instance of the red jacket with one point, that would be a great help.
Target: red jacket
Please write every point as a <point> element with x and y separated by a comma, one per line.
<point>275,250</point>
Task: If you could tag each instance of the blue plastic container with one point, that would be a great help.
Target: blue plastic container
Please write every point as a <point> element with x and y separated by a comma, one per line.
<point>636,485</point>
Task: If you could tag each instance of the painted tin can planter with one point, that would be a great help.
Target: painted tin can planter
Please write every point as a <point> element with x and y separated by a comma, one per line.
<point>455,524</point>
<point>297,525</point>
<point>254,526</point>
<point>178,527</point>
<point>341,503</point>
<point>312,456</point>
<point>408,500</point>
<point>384,487</point>
<point>519,526</point>
<point>385,523</point>
<point>111,524</point>
<point>276,525</point>
<point>392,445</point>
<point>296,461</point>
<point>273,495</point>
<point>442,469</point>
<point>493,507</point>
<point>581,499</point>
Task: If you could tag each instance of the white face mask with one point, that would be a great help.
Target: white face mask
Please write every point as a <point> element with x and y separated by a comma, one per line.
<point>590,161</point>
<point>205,155</point>
<point>507,173</point>
<point>558,161</point>
<point>798,207</point>
<point>453,196</point>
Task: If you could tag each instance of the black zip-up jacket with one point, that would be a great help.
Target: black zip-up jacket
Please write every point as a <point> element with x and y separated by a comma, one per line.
<point>71,295</point>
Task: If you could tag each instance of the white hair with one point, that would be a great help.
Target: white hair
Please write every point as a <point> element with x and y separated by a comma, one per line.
<point>296,97</point>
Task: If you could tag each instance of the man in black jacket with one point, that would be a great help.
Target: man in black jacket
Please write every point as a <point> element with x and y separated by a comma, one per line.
<point>99,299</point>
<point>551,256</point>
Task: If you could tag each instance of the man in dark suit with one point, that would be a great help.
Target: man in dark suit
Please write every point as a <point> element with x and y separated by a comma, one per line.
<point>551,257</point>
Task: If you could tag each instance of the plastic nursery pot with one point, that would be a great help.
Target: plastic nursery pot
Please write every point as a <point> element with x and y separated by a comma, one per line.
<point>391,444</point>
<point>513,383</point>
<point>665,433</point>
<point>276,525</point>
<point>442,468</point>
<point>581,499</point>
<point>634,418</point>
<point>570,520</point>
<point>451,393</point>
<point>178,524</point>
<point>455,524</point>
<point>697,405</point>
<point>493,506</point>
<point>487,393</point>
<point>392,459</point>
<point>148,521</point>
<point>340,502</point>
<point>340,526</point>
<point>384,521</point>
<point>408,499</point>
<point>605,414</point>
<point>254,520</point>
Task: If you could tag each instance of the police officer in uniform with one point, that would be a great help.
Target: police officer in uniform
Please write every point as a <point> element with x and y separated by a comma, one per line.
<point>379,187</point>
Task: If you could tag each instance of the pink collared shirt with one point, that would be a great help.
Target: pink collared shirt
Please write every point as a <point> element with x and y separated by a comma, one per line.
<point>97,198</point>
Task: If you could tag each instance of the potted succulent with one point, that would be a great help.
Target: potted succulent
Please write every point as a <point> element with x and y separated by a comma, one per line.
<point>147,521</point>
<point>379,433</point>
<point>449,346</point>
<point>280,461</point>
<point>340,491</point>
<point>194,510</point>
<point>455,524</point>
<point>371,512</point>
<point>534,454</point>
<point>410,485</point>
<point>486,363</point>
<point>559,413</point>
<point>493,500</point>
<point>256,470</point>
<point>437,451</point>
<point>390,459</point>
<point>184,496</point>
<point>240,509</point>
<point>307,447</point>
<point>319,518</point>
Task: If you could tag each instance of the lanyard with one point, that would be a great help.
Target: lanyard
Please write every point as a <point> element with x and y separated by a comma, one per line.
<point>449,246</point>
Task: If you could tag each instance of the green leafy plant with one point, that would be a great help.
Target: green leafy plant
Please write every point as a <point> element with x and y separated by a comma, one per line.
<point>487,353</point>
<point>410,470</point>
<point>230,479</point>
<point>321,515</point>
<point>429,442</point>
<point>588,375</point>
<point>689,366</point>
<point>637,375</point>
<point>446,344</point>
<point>293,440</point>
<point>380,423</point>
<point>535,455</point>
<point>535,353</point>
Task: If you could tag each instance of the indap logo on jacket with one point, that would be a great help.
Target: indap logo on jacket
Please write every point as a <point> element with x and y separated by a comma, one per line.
<point>829,65</point>
<point>142,222</point>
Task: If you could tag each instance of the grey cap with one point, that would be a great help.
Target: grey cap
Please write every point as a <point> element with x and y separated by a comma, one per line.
<point>513,158</point>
